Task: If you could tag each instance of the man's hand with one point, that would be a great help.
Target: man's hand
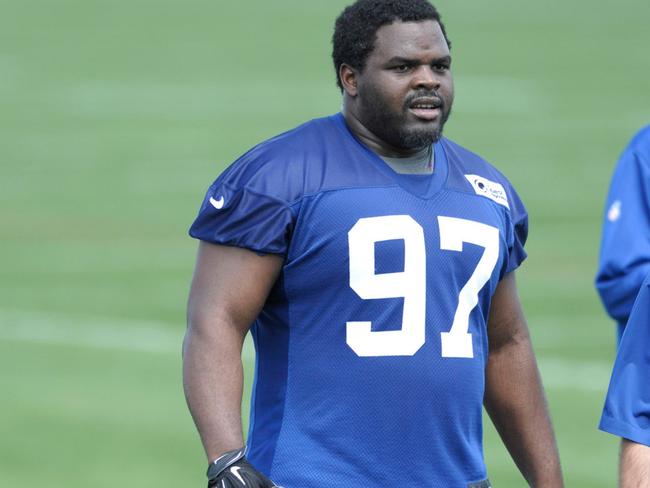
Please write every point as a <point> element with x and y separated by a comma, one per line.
<point>232,470</point>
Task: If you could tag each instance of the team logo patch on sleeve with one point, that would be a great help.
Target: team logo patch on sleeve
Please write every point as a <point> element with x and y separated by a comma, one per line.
<point>614,212</point>
<point>490,189</point>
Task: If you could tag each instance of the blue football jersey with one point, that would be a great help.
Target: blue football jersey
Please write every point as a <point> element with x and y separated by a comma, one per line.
<point>372,346</point>
<point>627,406</point>
<point>625,246</point>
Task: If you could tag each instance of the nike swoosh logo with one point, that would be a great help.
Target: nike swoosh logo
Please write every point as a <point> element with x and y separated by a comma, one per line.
<point>218,204</point>
<point>235,470</point>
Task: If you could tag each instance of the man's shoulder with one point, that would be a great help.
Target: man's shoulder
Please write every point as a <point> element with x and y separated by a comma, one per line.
<point>468,160</point>
<point>309,137</point>
<point>641,140</point>
<point>643,135</point>
<point>278,166</point>
<point>467,167</point>
<point>635,157</point>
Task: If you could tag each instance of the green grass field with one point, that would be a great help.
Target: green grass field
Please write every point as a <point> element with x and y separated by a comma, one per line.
<point>116,115</point>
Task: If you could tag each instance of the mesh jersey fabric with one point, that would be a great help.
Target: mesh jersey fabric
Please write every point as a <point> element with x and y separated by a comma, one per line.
<point>336,402</point>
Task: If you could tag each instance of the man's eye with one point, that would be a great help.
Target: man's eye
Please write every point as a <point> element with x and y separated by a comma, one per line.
<point>402,68</point>
<point>440,67</point>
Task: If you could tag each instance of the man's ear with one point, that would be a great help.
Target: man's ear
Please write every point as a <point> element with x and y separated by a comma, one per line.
<point>348,76</point>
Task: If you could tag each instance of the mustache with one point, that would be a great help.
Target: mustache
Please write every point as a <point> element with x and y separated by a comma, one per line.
<point>428,94</point>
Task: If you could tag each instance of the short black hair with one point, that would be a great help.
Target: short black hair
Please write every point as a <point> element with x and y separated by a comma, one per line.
<point>356,28</point>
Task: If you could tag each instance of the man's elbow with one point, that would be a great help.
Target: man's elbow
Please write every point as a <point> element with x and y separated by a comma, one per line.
<point>616,297</point>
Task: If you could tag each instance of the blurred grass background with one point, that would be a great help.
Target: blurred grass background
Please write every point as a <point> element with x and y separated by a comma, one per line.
<point>114,118</point>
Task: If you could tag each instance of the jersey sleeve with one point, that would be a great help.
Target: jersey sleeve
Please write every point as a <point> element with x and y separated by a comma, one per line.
<point>240,209</point>
<point>627,406</point>
<point>519,218</point>
<point>625,245</point>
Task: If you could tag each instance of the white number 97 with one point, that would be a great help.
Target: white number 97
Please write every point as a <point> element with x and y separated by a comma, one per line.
<point>411,283</point>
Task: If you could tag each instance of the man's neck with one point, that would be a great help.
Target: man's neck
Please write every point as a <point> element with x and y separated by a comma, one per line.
<point>420,163</point>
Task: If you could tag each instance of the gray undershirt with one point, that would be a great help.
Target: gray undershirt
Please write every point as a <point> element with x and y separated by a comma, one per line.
<point>421,163</point>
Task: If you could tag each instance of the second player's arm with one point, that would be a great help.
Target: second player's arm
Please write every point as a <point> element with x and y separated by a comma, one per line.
<point>514,397</point>
<point>635,465</point>
<point>229,288</point>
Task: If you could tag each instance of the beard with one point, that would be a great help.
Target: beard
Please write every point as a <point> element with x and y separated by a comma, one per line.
<point>395,128</point>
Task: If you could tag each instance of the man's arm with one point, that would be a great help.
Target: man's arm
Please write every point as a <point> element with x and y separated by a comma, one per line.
<point>634,469</point>
<point>229,288</point>
<point>514,397</point>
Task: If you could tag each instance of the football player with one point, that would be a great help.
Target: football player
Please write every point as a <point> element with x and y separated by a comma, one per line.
<point>625,247</point>
<point>373,261</point>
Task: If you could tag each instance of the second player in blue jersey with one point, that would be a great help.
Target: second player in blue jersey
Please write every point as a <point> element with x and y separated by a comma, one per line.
<point>625,245</point>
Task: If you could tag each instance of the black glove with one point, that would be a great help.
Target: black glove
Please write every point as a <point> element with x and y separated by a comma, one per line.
<point>232,470</point>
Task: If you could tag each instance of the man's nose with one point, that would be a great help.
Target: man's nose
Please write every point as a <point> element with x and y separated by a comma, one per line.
<point>425,77</point>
